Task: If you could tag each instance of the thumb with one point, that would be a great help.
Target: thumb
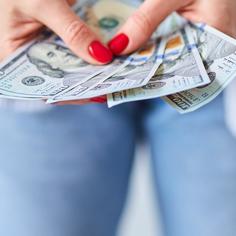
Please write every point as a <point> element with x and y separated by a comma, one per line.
<point>140,26</point>
<point>60,18</point>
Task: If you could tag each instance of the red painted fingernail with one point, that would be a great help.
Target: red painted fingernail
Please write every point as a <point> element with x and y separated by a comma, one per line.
<point>118,44</point>
<point>100,52</point>
<point>98,100</point>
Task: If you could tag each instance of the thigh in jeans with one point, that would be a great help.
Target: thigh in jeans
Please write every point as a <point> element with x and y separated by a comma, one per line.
<point>195,165</point>
<point>64,171</point>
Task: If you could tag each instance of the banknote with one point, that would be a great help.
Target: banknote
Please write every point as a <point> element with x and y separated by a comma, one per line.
<point>140,68</point>
<point>43,69</point>
<point>171,24</point>
<point>187,66</point>
<point>46,67</point>
<point>182,69</point>
<point>18,98</point>
<point>105,17</point>
<point>218,52</point>
<point>76,92</point>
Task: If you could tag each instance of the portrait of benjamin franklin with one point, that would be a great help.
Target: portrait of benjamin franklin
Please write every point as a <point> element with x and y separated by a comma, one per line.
<point>54,60</point>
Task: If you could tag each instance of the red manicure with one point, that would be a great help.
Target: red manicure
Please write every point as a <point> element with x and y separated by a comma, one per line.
<point>99,99</point>
<point>118,44</point>
<point>100,52</point>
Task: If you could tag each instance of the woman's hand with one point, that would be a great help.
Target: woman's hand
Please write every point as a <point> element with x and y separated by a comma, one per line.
<point>139,27</point>
<point>22,20</point>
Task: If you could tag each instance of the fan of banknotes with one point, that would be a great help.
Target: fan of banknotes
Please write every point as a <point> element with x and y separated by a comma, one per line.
<point>185,64</point>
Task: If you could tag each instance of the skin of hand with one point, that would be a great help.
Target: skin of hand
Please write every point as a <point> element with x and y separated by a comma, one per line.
<point>22,20</point>
<point>140,26</point>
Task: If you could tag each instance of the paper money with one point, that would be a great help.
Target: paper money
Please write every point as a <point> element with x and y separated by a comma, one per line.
<point>182,69</point>
<point>141,67</point>
<point>170,64</point>
<point>76,92</point>
<point>172,23</point>
<point>218,52</point>
<point>105,17</point>
<point>45,68</point>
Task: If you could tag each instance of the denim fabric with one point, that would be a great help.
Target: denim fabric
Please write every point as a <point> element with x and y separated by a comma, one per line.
<point>64,171</point>
<point>194,158</point>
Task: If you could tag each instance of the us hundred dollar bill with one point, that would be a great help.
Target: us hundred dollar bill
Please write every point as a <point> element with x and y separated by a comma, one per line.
<point>182,69</point>
<point>105,17</point>
<point>46,67</point>
<point>140,68</point>
<point>43,69</point>
<point>218,52</point>
<point>76,92</point>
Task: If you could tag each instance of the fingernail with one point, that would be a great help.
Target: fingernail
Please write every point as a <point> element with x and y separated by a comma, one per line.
<point>98,100</point>
<point>118,44</point>
<point>100,52</point>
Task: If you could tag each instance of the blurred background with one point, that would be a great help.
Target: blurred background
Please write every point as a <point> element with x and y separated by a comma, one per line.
<point>141,216</point>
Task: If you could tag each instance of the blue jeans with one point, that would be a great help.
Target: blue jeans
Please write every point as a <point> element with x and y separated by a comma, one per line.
<point>65,171</point>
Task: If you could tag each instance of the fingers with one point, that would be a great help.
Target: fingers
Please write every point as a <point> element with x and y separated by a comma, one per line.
<point>79,38</point>
<point>101,99</point>
<point>142,24</point>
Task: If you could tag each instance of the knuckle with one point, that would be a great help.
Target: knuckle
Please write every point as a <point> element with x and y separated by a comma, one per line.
<point>142,21</point>
<point>76,32</point>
